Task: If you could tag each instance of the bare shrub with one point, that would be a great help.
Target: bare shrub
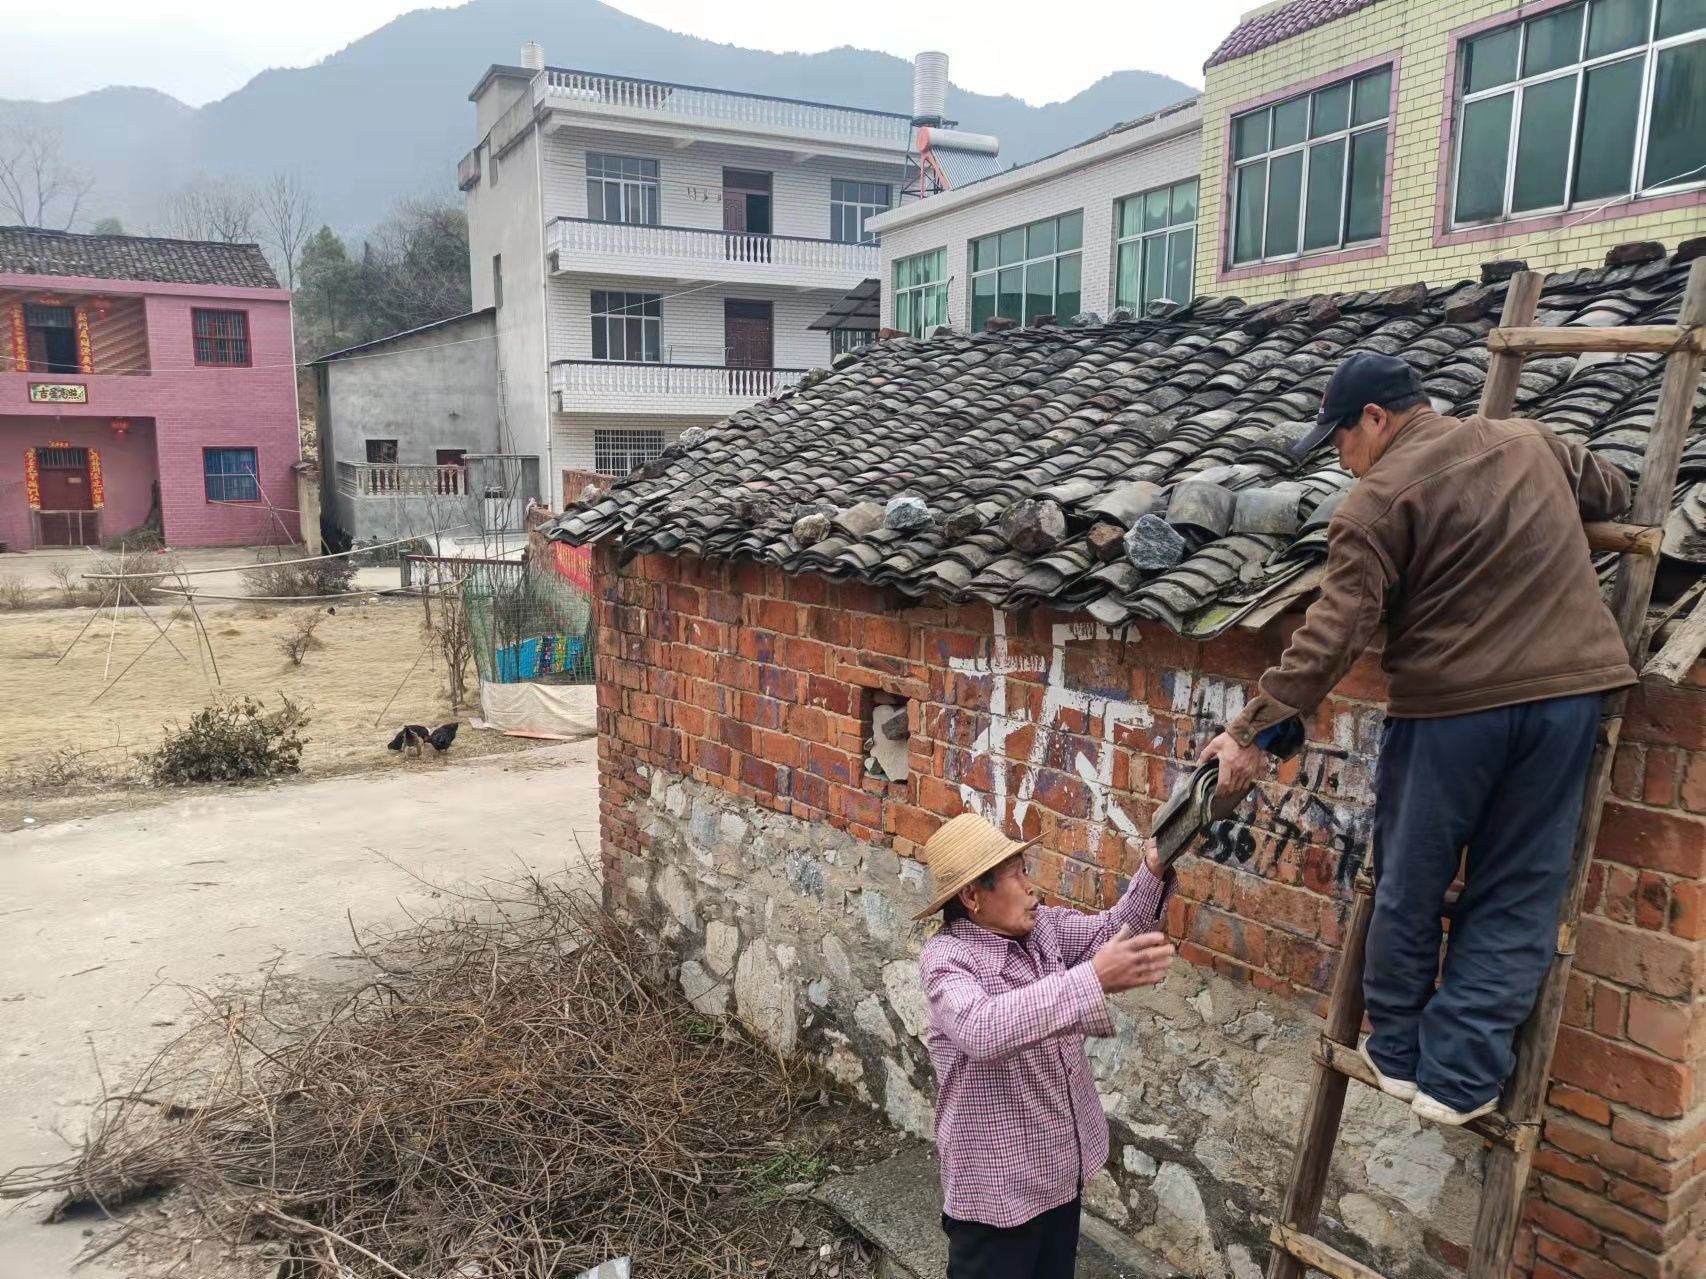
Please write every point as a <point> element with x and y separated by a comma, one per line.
<point>300,638</point>
<point>448,631</point>
<point>15,593</point>
<point>74,592</point>
<point>65,769</point>
<point>230,742</point>
<point>299,581</point>
<point>143,576</point>
<point>135,541</point>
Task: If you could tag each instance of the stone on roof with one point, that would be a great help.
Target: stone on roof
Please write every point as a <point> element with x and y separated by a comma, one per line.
<point>1173,436</point>
<point>1281,23</point>
<point>33,251</point>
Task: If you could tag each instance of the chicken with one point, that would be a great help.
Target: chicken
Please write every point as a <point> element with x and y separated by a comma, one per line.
<point>409,739</point>
<point>442,736</point>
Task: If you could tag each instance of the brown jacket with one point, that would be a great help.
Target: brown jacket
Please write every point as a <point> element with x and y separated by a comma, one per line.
<point>1465,538</point>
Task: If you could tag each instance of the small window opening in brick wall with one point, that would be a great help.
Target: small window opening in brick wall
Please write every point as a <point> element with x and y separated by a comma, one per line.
<point>887,731</point>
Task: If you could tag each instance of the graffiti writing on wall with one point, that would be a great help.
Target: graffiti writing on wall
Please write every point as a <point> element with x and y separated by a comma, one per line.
<point>1095,767</point>
<point>1329,802</point>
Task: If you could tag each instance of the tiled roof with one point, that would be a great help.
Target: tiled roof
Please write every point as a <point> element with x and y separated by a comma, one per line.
<point>32,251</point>
<point>1280,23</point>
<point>1104,421</point>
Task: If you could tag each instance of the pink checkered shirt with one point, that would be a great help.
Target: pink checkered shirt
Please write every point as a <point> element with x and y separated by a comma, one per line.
<point>1019,1126</point>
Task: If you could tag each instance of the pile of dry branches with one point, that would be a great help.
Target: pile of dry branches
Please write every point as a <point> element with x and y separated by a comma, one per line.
<point>516,1093</point>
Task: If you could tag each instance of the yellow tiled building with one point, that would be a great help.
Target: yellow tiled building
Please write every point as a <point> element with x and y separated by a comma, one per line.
<point>1352,144</point>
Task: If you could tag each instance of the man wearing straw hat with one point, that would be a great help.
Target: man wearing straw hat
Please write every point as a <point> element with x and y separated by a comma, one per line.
<point>1013,988</point>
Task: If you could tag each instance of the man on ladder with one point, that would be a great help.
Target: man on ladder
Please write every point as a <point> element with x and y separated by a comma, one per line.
<point>1464,539</point>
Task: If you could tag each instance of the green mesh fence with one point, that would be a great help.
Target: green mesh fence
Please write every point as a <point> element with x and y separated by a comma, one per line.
<point>530,620</point>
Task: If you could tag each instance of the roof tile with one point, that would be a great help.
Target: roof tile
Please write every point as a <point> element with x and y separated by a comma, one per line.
<point>1107,420</point>
<point>33,251</point>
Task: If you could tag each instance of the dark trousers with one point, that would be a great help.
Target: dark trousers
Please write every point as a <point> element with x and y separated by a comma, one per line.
<point>1505,785</point>
<point>1045,1247</point>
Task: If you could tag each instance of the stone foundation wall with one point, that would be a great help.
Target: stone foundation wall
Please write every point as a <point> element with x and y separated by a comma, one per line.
<point>741,817</point>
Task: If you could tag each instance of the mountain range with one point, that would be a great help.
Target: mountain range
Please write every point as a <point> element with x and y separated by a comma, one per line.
<point>387,117</point>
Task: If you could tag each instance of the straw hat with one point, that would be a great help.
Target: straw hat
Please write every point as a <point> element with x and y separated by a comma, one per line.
<point>963,848</point>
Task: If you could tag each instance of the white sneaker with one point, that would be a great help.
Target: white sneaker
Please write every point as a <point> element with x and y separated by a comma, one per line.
<point>1402,1089</point>
<point>1425,1107</point>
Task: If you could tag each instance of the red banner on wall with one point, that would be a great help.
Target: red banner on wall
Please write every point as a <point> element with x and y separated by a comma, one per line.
<point>85,352</point>
<point>32,480</point>
<point>20,343</point>
<point>97,486</point>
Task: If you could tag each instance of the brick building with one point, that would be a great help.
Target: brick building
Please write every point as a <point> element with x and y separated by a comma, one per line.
<point>759,602</point>
<point>1582,126</point>
<point>144,380</point>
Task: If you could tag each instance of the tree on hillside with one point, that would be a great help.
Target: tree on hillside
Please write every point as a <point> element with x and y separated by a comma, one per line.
<point>324,304</point>
<point>417,266</point>
<point>37,188</point>
<point>108,226</point>
<point>413,271</point>
<point>213,209</point>
<point>286,212</point>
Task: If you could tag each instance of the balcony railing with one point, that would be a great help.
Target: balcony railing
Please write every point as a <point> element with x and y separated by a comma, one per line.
<point>468,170</point>
<point>393,479</point>
<point>587,245</point>
<point>748,111</point>
<point>612,384</point>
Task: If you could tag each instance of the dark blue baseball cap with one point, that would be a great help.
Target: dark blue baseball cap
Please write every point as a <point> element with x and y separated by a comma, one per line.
<point>1365,378</point>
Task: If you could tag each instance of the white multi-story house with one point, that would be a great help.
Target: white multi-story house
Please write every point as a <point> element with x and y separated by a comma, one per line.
<point>1108,223</point>
<point>656,252</point>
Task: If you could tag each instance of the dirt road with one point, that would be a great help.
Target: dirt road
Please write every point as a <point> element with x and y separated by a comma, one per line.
<point>101,920</point>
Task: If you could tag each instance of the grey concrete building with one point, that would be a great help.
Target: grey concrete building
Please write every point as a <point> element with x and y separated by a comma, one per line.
<point>408,429</point>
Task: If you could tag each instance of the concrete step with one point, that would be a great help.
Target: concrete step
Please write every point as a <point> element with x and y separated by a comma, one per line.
<point>897,1207</point>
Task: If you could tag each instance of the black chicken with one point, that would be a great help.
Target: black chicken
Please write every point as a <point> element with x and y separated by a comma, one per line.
<point>442,736</point>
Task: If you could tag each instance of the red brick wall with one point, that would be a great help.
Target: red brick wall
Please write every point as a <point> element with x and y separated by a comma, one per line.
<point>756,683</point>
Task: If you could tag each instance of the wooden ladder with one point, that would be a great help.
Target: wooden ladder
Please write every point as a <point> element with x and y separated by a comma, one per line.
<point>1514,1129</point>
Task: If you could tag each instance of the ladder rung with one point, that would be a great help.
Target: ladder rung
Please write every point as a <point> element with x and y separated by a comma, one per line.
<point>1494,1127</point>
<point>1625,539</point>
<point>1566,339</point>
<point>1312,1252</point>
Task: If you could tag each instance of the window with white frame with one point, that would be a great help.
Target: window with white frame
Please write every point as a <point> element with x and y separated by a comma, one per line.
<point>621,188</point>
<point>1309,173</point>
<point>1157,246</point>
<point>1028,271</point>
<point>850,203</point>
<point>627,326</point>
<point>619,452</point>
<point>921,292</point>
<point>1579,105</point>
<point>842,341</point>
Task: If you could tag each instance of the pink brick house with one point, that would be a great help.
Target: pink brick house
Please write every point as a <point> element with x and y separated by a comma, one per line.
<point>143,381</point>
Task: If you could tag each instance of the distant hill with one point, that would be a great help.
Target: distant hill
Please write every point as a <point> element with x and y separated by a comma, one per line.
<point>388,116</point>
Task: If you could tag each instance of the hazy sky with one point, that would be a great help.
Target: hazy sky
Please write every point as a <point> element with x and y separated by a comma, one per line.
<point>198,52</point>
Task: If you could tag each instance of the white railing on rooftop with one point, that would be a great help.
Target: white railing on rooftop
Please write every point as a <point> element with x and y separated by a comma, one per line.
<point>744,110</point>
